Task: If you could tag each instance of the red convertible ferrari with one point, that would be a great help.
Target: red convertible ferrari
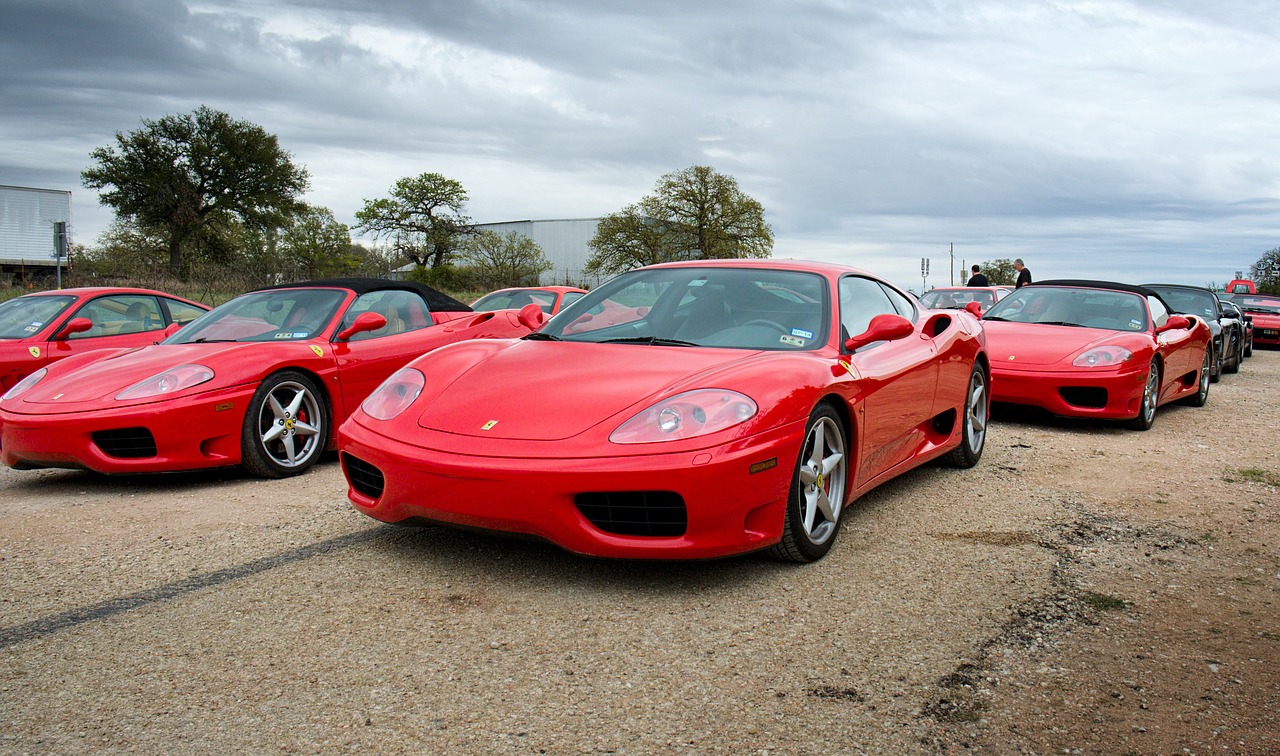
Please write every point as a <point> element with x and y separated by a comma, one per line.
<point>42,328</point>
<point>259,381</point>
<point>1095,349</point>
<point>738,406</point>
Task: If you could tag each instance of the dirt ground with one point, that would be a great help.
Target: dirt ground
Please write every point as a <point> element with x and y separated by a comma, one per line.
<point>1084,589</point>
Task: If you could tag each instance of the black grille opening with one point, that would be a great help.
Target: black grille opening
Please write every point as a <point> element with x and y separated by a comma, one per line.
<point>635,513</point>
<point>1092,397</point>
<point>363,476</point>
<point>126,443</point>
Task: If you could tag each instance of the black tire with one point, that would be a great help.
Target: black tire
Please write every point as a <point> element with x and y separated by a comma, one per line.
<point>973,420</point>
<point>1202,393</point>
<point>1248,347</point>
<point>1215,368</point>
<point>287,406</point>
<point>1150,398</point>
<point>818,485</point>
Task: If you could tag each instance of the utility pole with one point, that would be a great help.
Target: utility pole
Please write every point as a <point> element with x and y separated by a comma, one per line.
<point>924,274</point>
<point>953,264</point>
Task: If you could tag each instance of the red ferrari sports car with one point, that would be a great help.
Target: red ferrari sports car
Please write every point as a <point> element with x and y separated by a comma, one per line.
<point>39,329</point>
<point>259,381</point>
<point>551,299</point>
<point>739,408</point>
<point>1095,349</point>
<point>1264,309</point>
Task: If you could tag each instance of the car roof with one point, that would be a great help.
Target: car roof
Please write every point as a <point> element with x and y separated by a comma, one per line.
<point>1087,284</point>
<point>436,300</point>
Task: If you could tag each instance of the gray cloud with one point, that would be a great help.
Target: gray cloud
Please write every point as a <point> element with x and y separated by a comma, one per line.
<point>1112,139</point>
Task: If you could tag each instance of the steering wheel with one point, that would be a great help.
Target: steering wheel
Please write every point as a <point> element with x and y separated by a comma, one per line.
<point>761,321</point>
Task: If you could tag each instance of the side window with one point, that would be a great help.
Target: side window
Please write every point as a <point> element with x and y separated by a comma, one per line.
<point>901,303</point>
<point>181,312</point>
<point>404,311</point>
<point>861,299</point>
<point>120,314</point>
<point>1158,312</point>
<point>569,298</point>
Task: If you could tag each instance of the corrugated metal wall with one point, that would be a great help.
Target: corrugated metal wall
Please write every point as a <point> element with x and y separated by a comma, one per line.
<point>26,222</point>
<point>564,242</point>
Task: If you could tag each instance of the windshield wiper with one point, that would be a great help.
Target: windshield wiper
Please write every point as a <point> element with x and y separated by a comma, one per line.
<point>203,340</point>
<point>1002,320</point>
<point>650,340</point>
<point>538,336</point>
<point>1059,322</point>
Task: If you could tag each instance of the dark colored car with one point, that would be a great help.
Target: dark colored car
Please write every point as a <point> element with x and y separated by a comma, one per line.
<point>1203,303</point>
<point>1234,317</point>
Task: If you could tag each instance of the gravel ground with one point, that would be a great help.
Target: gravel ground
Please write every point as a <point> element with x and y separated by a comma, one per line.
<point>1083,589</point>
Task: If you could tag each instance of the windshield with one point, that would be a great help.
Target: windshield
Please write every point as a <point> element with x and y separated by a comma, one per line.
<point>514,299</point>
<point>1257,303</point>
<point>26,316</point>
<point>955,299</point>
<point>1201,302</point>
<point>275,315</point>
<point>738,308</point>
<point>1069,306</point>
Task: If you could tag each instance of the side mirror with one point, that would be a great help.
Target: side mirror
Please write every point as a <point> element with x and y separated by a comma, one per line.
<point>365,321</point>
<point>75,325</point>
<point>1174,323</point>
<point>884,327</point>
<point>172,329</point>
<point>531,316</point>
<point>974,308</point>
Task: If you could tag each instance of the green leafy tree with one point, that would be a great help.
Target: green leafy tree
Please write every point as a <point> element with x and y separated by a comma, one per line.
<point>185,173</point>
<point>316,245</point>
<point>693,214</point>
<point>999,272</point>
<point>424,219</point>
<point>1266,272</point>
<point>502,260</point>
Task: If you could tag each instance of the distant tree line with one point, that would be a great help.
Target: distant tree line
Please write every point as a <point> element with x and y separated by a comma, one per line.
<point>204,198</point>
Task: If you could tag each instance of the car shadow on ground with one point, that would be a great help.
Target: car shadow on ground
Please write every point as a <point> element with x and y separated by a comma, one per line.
<point>1017,415</point>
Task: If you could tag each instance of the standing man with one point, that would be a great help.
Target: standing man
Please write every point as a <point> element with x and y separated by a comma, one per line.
<point>1024,275</point>
<point>977,279</point>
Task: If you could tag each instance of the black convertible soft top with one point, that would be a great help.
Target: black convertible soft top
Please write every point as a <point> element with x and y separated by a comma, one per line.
<point>436,301</point>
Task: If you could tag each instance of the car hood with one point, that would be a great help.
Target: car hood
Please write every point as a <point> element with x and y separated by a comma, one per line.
<point>548,391</point>
<point>97,382</point>
<point>1028,345</point>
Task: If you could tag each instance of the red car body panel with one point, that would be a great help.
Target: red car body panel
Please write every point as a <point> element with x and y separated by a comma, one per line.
<point>1031,364</point>
<point>19,357</point>
<point>52,424</point>
<point>1264,310</point>
<point>505,434</point>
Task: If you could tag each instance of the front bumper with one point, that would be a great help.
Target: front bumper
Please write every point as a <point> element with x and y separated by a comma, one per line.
<point>1109,395</point>
<point>729,509</point>
<point>190,432</point>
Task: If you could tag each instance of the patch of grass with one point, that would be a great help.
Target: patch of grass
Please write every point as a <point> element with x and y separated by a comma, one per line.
<point>1247,580</point>
<point>1103,602</point>
<point>1253,475</point>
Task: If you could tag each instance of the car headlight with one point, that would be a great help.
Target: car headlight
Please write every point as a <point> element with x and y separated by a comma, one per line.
<point>395,394</point>
<point>171,380</point>
<point>24,384</point>
<point>1103,356</point>
<point>687,415</point>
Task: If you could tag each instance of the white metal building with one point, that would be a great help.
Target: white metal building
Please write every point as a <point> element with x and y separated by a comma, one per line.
<point>563,241</point>
<point>27,218</point>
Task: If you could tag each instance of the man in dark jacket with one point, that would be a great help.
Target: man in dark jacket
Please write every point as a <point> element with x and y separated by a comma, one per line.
<point>1024,275</point>
<point>977,279</point>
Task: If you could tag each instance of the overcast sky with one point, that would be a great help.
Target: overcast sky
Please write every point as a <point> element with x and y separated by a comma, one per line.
<point>1096,139</point>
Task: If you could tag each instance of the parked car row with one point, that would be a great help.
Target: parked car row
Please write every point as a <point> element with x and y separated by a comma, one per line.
<point>684,410</point>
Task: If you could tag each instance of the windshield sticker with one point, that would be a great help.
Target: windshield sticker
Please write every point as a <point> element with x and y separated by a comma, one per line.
<point>802,333</point>
<point>791,340</point>
<point>283,336</point>
<point>300,334</point>
<point>31,329</point>
<point>698,282</point>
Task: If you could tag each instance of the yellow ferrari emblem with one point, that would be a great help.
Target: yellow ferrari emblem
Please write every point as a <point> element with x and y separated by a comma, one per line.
<point>319,352</point>
<point>1011,356</point>
<point>489,425</point>
<point>35,351</point>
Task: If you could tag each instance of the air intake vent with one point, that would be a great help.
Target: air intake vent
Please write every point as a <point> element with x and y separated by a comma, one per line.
<point>363,476</point>
<point>660,514</point>
<point>126,443</point>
